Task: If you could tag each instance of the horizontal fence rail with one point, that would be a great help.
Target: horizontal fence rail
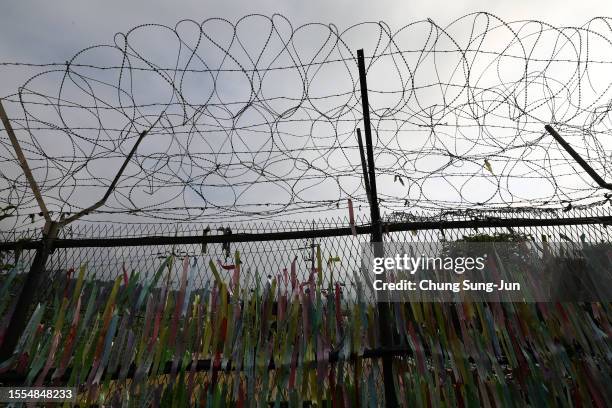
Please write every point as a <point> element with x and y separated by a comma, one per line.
<point>487,222</point>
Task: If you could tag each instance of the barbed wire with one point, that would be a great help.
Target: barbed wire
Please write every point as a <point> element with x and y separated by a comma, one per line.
<point>257,119</point>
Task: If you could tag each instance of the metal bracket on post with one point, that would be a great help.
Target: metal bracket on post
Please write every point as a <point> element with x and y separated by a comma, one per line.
<point>24,164</point>
<point>384,322</point>
<point>364,167</point>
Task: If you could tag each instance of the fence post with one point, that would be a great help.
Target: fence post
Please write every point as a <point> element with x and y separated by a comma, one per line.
<point>25,298</point>
<point>384,320</point>
<point>19,316</point>
<point>596,177</point>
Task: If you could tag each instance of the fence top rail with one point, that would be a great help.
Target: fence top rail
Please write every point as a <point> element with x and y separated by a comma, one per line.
<point>592,217</point>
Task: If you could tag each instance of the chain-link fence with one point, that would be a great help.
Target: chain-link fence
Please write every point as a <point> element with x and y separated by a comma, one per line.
<point>276,312</point>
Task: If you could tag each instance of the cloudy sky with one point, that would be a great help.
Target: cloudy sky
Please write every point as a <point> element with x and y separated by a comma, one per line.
<point>44,31</point>
<point>39,32</point>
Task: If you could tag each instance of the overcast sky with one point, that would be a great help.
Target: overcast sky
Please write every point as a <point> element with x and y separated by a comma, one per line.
<point>43,31</point>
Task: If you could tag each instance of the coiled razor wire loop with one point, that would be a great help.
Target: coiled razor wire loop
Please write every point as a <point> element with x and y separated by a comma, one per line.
<point>260,117</point>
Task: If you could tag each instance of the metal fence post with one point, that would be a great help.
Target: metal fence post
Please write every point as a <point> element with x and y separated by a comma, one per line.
<point>384,319</point>
<point>26,296</point>
<point>19,316</point>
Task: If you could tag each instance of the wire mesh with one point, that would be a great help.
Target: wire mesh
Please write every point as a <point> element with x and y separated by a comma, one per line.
<point>252,122</point>
<point>442,353</point>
